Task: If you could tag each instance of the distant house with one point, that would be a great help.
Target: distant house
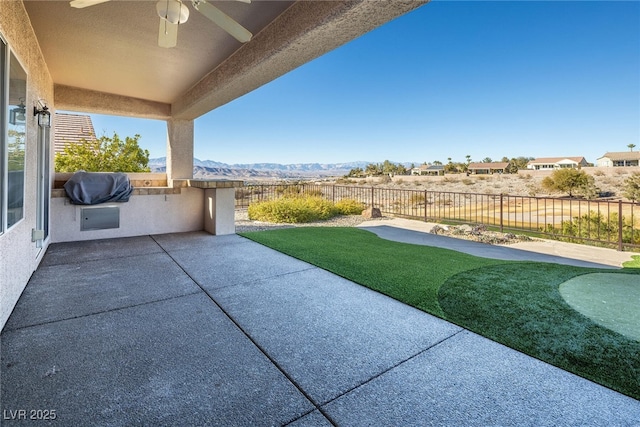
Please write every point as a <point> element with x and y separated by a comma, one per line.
<point>487,168</point>
<point>544,163</point>
<point>71,129</point>
<point>428,170</point>
<point>622,158</point>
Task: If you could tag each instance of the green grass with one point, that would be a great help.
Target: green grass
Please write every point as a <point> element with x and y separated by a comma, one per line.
<point>512,302</point>
<point>634,263</point>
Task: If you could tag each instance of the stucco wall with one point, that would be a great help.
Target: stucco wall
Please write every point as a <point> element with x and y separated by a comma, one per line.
<point>141,215</point>
<point>19,257</point>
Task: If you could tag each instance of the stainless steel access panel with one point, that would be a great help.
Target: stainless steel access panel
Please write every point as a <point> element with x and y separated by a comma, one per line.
<point>100,218</point>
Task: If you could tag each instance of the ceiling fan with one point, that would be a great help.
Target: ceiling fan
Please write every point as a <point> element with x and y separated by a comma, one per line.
<point>173,13</point>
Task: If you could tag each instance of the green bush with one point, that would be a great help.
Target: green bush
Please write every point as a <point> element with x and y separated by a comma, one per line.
<point>572,181</point>
<point>292,210</point>
<point>597,226</point>
<point>349,207</point>
<point>632,187</point>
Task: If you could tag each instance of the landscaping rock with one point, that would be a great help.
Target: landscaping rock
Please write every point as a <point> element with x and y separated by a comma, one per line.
<point>437,229</point>
<point>479,233</point>
<point>372,213</point>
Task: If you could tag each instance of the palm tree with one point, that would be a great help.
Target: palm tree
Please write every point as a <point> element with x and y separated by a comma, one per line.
<point>468,156</point>
<point>631,146</point>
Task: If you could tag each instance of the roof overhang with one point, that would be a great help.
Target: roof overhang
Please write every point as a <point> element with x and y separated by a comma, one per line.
<point>105,58</point>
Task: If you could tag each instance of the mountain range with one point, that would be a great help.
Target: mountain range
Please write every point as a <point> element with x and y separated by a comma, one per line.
<point>211,169</point>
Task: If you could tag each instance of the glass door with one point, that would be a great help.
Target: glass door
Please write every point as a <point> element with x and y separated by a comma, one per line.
<point>43,190</point>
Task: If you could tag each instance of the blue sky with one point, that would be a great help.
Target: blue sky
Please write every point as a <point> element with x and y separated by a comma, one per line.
<point>450,79</point>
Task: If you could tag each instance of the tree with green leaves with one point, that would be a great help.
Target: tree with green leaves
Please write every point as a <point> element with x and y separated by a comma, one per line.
<point>104,155</point>
<point>631,147</point>
<point>356,173</point>
<point>631,189</point>
<point>571,181</point>
<point>15,150</point>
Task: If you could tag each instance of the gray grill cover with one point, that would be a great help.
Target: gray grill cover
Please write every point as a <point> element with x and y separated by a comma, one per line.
<point>91,188</point>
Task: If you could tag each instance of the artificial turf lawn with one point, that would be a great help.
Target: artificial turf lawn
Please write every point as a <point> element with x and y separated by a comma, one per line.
<point>512,302</point>
<point>634,263</point>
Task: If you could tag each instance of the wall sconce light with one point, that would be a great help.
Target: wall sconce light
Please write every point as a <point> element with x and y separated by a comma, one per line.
<point>17,115</point>
<point>44,116</point>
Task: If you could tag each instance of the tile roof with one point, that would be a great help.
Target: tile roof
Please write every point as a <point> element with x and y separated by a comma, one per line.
<point>489,165</point>
<point>71,128</point>
<point>550,160</point>
<point>429,167</point>
<point>623,155</point>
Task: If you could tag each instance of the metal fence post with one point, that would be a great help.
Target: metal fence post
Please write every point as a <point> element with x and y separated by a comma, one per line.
<point>372,197</point>
<point>620,248</point>
<point>425,205</point>
<point>501,213</point>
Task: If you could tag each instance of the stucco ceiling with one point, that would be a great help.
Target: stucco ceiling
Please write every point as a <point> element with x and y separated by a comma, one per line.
<point>111,49</point>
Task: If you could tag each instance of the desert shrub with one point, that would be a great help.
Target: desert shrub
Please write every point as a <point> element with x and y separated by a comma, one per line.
<point>596,226</point>
<point>631,188</point>
<point>292,210</point>
<point>345,181</point>
<point>417,199</point>
<point>288,190</point>
<point>297,190</point>
<point>450,180</point>
<point>572,181</point>
<point>598,173</point>
<point>532,190</point>
<point>349,207</point>
<point>467,181</point>
<point>385,179</point>
<point>525,176</point>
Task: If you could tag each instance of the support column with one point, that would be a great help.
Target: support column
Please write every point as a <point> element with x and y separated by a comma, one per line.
<point>219,204</point>
<point>179,149</point>
<point>219,217</point>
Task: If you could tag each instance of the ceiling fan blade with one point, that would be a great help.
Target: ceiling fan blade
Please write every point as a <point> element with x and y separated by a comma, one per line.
<point>168,34</point>
<point>224,21</point>
<point>79,4</point>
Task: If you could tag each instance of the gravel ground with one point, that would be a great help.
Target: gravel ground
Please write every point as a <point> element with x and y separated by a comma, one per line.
<point>243,223</point>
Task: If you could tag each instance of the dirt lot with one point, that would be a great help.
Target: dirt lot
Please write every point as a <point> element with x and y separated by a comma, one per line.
<point>525,183</point>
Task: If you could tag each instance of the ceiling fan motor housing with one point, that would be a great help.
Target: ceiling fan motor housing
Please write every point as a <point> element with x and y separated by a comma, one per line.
<point>172,11</point>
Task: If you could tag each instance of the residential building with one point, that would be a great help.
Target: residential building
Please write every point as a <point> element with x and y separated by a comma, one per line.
<point>545,163</point>
<point>108,58</point>
<point>428,170</point>
<point>71,129</point>
<point>621,158</point>
<point>487,168</point>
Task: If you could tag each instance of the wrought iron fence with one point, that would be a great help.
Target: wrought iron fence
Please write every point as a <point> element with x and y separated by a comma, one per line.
<point>603,223</point>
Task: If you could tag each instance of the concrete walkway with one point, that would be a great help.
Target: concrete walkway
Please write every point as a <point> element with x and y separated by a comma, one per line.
<point>191,329</point>
<point>418,232</point>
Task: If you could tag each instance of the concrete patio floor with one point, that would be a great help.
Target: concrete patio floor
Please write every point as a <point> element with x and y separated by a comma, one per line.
<point>192,329</point>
